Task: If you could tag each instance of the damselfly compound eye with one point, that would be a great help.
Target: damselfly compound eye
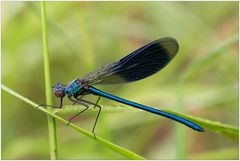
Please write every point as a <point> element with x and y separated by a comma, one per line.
<point>59,93</point>
<point>59,90</point>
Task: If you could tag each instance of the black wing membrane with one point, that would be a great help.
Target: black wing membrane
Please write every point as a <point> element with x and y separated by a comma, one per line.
<point>140,64</point>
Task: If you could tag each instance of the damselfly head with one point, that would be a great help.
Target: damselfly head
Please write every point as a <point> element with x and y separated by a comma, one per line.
<point>59,90</point>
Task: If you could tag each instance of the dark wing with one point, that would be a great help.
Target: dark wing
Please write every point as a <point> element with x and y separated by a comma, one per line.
<point>139,64</point>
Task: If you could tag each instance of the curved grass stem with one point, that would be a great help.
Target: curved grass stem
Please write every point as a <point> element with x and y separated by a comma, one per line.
<point>120,150</point>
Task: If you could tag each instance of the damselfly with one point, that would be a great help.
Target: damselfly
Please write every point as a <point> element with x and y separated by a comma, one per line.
<point>140,64</point>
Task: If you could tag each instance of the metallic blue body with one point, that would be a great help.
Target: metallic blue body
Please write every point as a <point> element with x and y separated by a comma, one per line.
<point>146,108</point>
<point>72,88</point>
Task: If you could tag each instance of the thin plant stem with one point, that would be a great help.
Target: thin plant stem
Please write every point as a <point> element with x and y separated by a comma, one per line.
<point>51,120</point>
<point>180,131</point>
<point>120,150</point>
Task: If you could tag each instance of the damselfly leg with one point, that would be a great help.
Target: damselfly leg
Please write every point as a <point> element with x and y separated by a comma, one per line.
<point>76,98</point>
<point>78,102</point>
<point>60,106</point>
<point>95,105</point>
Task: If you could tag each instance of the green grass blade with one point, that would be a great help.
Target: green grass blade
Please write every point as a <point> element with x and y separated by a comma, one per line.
<point>127,153</point>
<point>219,49</point>
<point>180,131</point>
<point>208,125</point>
<point>51,120</point>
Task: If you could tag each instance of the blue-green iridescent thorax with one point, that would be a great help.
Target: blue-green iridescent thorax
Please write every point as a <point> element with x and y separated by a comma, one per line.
<point>72,88</point>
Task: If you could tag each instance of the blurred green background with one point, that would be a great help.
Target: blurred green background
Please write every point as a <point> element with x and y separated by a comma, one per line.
<point>86,35</point>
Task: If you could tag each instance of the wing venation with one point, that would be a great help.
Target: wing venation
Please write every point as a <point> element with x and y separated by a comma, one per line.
<point>140,64</point>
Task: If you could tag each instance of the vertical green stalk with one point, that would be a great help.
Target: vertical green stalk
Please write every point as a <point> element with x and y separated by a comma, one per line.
<point>51,120</point>
<point>180,131</point>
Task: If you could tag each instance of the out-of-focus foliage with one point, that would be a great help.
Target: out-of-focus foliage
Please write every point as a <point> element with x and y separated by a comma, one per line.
<point>85,35</point>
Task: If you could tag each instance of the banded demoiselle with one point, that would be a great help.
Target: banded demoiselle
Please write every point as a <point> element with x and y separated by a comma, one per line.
<point>138,65</point>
